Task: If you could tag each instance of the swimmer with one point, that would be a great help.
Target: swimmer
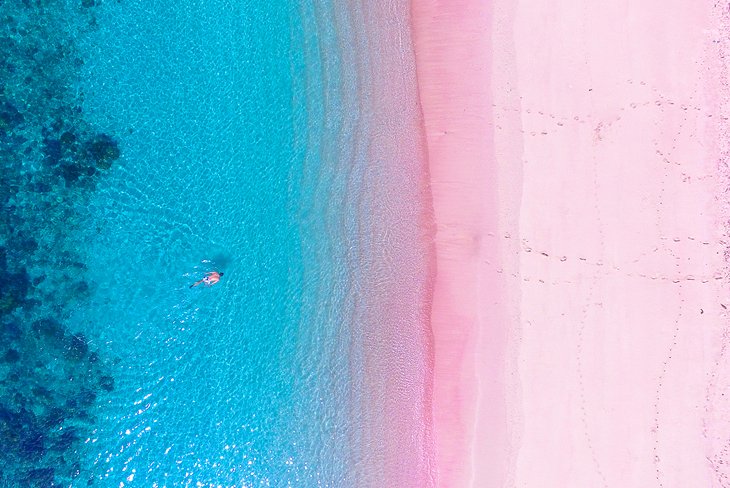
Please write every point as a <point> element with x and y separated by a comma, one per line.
<point>211,278</point>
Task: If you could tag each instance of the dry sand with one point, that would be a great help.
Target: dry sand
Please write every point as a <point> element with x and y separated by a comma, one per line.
<point>576,160</point>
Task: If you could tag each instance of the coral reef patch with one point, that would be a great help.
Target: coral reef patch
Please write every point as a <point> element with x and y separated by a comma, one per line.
<point>51,378</point>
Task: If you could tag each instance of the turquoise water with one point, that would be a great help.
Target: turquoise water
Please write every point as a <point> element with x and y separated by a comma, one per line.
<point>218,151</point>
<point>143,144</point>
<point>215,386</point>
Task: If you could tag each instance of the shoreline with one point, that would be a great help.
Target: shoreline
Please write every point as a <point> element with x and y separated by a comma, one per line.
<point>469,312</point>
<point>393,261</point>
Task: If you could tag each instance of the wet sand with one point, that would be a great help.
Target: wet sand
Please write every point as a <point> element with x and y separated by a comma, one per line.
<point>469,313</point>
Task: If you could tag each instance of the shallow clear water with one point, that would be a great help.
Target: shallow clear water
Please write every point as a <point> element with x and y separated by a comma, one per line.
<point>210,382</point>
<point>143,144</point>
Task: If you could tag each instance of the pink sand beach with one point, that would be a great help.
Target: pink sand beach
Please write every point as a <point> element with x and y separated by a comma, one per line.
<point>576,156</point>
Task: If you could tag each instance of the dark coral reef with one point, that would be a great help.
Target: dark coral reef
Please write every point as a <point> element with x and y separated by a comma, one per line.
<point>51,377</point>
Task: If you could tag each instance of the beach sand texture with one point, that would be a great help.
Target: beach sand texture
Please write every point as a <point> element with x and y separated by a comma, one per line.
<point>577,162</point>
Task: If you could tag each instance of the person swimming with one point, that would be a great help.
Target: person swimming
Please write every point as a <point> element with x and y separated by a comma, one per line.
<point>210,279</point>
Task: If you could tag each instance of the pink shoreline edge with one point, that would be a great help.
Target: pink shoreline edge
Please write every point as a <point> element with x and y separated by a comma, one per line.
<point>452,48</point>
<point>395,264</point>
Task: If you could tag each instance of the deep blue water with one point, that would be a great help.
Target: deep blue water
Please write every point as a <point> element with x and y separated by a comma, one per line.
<point>145,143</point>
